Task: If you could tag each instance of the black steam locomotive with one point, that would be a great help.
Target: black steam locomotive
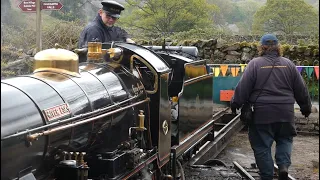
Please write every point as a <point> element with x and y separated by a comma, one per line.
<point>130,118</point>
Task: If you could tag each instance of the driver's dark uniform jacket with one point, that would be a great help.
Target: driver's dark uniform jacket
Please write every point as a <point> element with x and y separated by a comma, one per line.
<point>274,109</point>
<point>98,31</point>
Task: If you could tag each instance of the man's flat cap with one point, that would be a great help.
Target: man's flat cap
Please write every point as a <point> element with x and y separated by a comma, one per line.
<point>113,8</point>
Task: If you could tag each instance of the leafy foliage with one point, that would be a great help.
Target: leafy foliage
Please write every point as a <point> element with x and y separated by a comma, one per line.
<point>248,8</point>
<point>168,15</point>
<point>64,33</point>
<point>75,10</point>
<point>5,55</point>
<point>18,37</point>
<point>239,13</point>
<point>286,16</point>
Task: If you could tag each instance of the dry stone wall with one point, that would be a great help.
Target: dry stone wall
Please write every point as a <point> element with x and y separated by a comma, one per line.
<point>219,51</point>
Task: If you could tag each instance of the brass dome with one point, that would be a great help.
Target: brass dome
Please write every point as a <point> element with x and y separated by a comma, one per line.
<point>58,60</point>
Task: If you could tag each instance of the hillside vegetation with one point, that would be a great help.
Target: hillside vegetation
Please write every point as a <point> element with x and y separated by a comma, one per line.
<point>171,19</point>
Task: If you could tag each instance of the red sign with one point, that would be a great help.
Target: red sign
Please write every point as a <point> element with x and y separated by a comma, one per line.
<point>28,6</point>
<point>51,5</point>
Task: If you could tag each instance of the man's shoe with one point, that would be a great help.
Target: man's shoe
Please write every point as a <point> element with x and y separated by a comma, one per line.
<point>283,173</point>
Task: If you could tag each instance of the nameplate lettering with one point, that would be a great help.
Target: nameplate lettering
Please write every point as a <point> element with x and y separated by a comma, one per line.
<point>56,112</point>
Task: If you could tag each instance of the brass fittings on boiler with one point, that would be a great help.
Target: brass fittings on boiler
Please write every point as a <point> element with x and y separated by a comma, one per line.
<point>141,121</point>
<point>141,124</point>
<point>94,52</point>
<point>78,157</point>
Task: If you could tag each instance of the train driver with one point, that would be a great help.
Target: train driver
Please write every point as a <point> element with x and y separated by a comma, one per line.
<point>102,28</point>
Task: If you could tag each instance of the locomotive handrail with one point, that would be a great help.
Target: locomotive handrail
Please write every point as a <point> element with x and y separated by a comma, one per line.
<point>155,86</point>
<point>34,136</point>
<point>59,122</point>
<point>199,78</point>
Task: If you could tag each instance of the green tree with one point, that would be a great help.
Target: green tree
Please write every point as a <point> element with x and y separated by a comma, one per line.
<point>167,16</point>
<point>286,16</point>
<point>75,9</point>
<point>249,8</point>
<point>225,8</point>
<point>236,12</point>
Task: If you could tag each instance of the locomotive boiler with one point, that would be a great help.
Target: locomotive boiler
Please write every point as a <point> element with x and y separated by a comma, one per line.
<point>127,112</point>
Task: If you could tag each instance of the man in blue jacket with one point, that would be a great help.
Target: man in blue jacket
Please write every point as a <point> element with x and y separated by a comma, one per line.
<point>281,85</point>
<point>102,28</point>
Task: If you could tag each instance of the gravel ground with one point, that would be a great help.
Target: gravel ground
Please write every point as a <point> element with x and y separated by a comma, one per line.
<point>305,155</point>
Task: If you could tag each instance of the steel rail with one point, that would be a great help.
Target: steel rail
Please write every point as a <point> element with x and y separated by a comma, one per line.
<point>242,171</point>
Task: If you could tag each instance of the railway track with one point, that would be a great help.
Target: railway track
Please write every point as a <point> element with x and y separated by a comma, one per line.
<point>203,164</point>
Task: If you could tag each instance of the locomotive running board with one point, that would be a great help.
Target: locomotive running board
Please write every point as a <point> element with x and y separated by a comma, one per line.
<point>222,137</point>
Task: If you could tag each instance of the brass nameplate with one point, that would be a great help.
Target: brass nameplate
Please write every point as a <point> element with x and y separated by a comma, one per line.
<point>56,112</point>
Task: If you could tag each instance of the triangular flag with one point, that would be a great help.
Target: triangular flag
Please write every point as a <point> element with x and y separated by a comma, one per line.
<point>242,67</point>
<point>309,71</point>
<point>234,71</point>
<point>299,68</point>
<point>208,69</point>
<point>316,70</point>
<point>224,69</point>
<point>216,71</point>
<point>205,70</point>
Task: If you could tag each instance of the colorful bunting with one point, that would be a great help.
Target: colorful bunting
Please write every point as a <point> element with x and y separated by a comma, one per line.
<point>299,68</point>
<point>242,67</point>
<point>234,71</point>
<point>224,69</point>
<point>309,71</point>
<point>216,71</point>
<point>316,70</point>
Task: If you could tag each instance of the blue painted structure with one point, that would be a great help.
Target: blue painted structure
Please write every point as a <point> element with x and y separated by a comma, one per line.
<point>223,83</point>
